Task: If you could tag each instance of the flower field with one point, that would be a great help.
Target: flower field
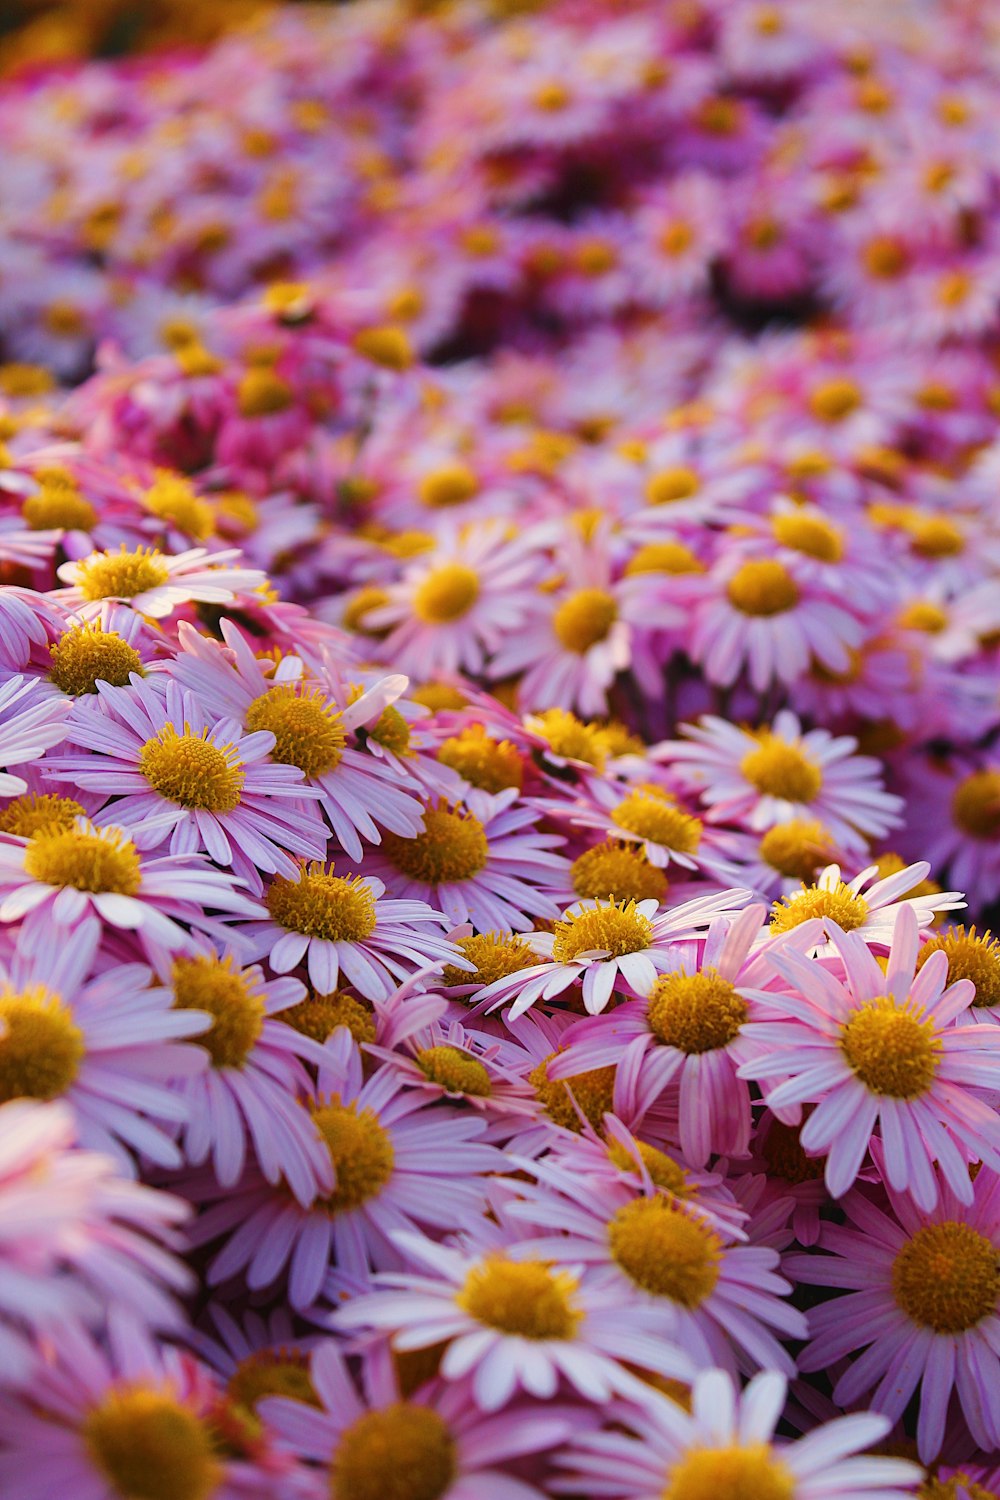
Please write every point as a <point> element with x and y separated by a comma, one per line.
<point>499,769</point>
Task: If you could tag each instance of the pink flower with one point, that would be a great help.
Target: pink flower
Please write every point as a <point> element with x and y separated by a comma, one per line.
<point>30,724</point>
<point>154,583</point>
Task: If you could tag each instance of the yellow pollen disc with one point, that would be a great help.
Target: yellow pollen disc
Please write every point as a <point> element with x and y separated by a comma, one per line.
<point>666,1251</point>
<point>797,850</point>
<point>921,614</point>
<point>663,557</point>
<point>55,507</point>
<point>620,741</point>
<point>262,393</point>
<point>785,1157</point>
<point>361,604</point>
<point>670,485</point>
<point>391,731</point>
<point>970,956</point>
<point>584,619</point>
<point>271,1372</point>
<point>809,535</point>
<point>762,588</point>
<point>677,237</point>
<point>455,1070</point>
<point>122,574</point>
<point>453,484</point>
<point>934,395</point>
<point>41,1047</point>
<point>885,257</point>
<point>947,1277</point>
<point>663,1171</point>
<point>651,814</point>
<point>953,288</point>
<point>452,847</point>
<point>936,536</point>
<point>593,1092</point>
<point>718,116</point>
<point>338,909</point>
<point>150,1447</point>
<point>492,765</point>
<point>438,697</point>
<point>87,655</point>
<point>777,769</point>
<point>400,1452</point>
<point>841,905</point>
<point>570,737</point>
<point>173,499</point>
<point>617,872</point>
<point>214,985</point>
<point>88,859</point>
<point>695,1012</point>
<point>834,400</point>
<point>65,320</point>
<point>552,97</point>
<point>595,257</point>
<point>525,1298</point>
<point>18,380</point>
<point>386,345</point>
<point>27,815</point>
<point>891,1047</point>
<point>958,1487</point>
<point>308,730</point>
<point>975,805</point>
<point>753,1472</point>
<point>319,1016</point>
<point>406,304</point>
<point>614,927</point>
<point>495,955</point>
<point>446,594</point>
<point>361,1152</point>
<point>190,770</point>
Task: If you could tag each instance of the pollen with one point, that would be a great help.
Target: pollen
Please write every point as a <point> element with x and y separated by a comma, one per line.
<point>584,619</point>
<point>271,1372</point>
<point>762,588</point>
<point>361,1151</point>
<point>667,486</point>
<point>85,858</point>
<point>663,557</point>
<point>617,872</point>
<point>695,1012</point>
<point>570,737</point>
<point>651,813</point>
<point>810,535</point>
<point>58,507</point>
<point>41,1047</point>
<point>593,1092</point>
<point>386,345</point>
<point>213,984</point>
<point>937,536</point>
<point>665,1250</point>
<point>595,256</point>
<point>840,905</point>
<point>970,955</point>
<point>663,1171</point>
<point>308,730</point>
<point>173,499</point>
<point>446,594</point>
<point>496,955</point>
<point>122,574</point>
<point>885,257</point>
<point>262,393</point>
<point>552,97</point>
<point>27,815</point>
<point>319,1016</point>
<point>975,805</point>
<point>391,731</point>
<point>86,655</point>
<point>752,1472</point>
<point>612,927</point>
<point>835,399</point>
<point>526,1299</point>
<point>492,765</point>
<point>438,697</point>
<point>398,1452</point>
<point>361,604</point>
<point>797,849</point>
<point>922,614</point>
<point>455,1070</point>
<point>947,1277</point>
<point>192,771</point>
<point>148,1446</point>
<point>891,1047</point>
<point>335,908</point>
<point>453,484</point>
<point>776,768</point>
<point>452,847</point>
<point>676,237</point>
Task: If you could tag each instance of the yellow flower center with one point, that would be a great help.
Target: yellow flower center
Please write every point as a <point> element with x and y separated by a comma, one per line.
<point>65,320</point>
<point>785,1157</point>
<point>361,1151</point>
<point>835,399</point>
<point>695,1012</point>
<point>592,1090</point>
<point>614,927</point>
<point>453,484</point>
<point>617,872</point>
<point>797,849</point>
<point>552,97</point>
<point>492,765</point>
<point>361,604</point>
<point>271,1372</point>
<point>495,955</point>
<point>446,594</point>
<point>41,1047</point>
<point>936,536</point>
<point>738,1473</point>
<point>214,985</point>
<point>670,485</point>
<point>57,507</point>
<point>438,697</point>
<point>88,859</point>
<point>406,304</point>
<point>953,288</point>
<point>570,737</point>
<point>391,731</point>
<point>841,905</point>
<point>319,1016</point>
<point>262,393</point>
<point>663,557</point>
<point>650,813</point>
<point>970,956</point>
<point>336,908</point>
<point>525,1298</point>
<point>385,345</point>
<point>676,237</point>
<point>921,614</point>
<point>400,1452</point>
<point>150,1447</point>
<point>308,730</point>
<point>122,574</point>
<point>777,769</point>
<point>666,1251</point>
<point>455,1070</point>
<point>885,257</point>
<point>663,1171</point>
<point>947,1277</point>
<point>452,847</point>
<point>975,805</point>
<point>584,619</point>
<point>188,769</point>
<point>86,655</point>
<point>19,380</point>
<point>810,535</point>
<point>25,816</point>
<point>173,499</point>
<point>595,256</point>
<point>891,1047</point>
<point>762,588</point>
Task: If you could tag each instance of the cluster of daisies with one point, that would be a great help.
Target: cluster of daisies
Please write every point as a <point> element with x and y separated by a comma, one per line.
<point>500,758</point>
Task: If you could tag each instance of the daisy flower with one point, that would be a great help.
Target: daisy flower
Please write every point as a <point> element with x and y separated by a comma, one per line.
<point>869,909</point>
<point>880,1049</point>
<point>922,1302</point>
<point>646,814</point>
<point>153,583</point>
<point>449,1060</point>
<point>726,1446</point>
<point>111,647</point>
<point>30,723</point>
<point>953,816</point>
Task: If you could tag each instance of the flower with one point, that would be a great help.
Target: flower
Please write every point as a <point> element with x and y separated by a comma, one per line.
<point>857,905</point>
<point>154,583</point>
<point>30,724</point>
